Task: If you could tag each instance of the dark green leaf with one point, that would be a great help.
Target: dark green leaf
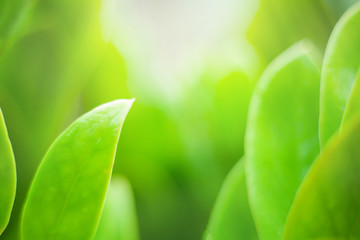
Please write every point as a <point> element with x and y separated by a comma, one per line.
<point>337,7</point>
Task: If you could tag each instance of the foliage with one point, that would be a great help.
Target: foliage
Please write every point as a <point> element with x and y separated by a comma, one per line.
<point>287,121</point>
<point>75,174</point>
<point>295,191</point>
<point>7,176</point>
<point>295,127</point>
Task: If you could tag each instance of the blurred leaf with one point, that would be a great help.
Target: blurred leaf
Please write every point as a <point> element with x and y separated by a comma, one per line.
<point>118,219</point>
<point>30,80</point>
<point>339,72</point>
<point>231,218</point>
<point>74,175</point>
<point>327,205</point>
<point>280,23</point>
<point>43,75</point>
<point>47,69</point>
<point>7,176</point>
<point>108,80</point>
<point>337,8</point>
<point>13,14</point>
<point>166,181</point>
<point>231,104</point>
<point>281,137</point>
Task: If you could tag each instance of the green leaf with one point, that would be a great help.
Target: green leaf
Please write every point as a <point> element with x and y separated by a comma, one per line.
<point>282,137</point>
<point>352,107</point>
<point>228,119</point>
<point>231,217</point>
<point>327,205</point>
<point>67,194</point>
<point>280,23</point>
<point>337,8</point>
<point>339,72</point>
<point>118,219</point>
<point>13,14</point>
<point>7,176</point>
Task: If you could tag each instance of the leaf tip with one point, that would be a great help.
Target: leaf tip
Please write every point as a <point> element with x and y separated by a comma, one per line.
<point>121,106</point>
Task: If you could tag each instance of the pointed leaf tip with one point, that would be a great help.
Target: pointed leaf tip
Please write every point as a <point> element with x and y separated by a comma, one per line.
<point>75,175</point>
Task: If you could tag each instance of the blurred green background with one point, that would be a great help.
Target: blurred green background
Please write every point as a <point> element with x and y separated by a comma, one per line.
<point>191,65</point>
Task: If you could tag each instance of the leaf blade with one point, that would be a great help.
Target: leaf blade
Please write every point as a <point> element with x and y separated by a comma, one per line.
<point>231,217</point>
<point>330,195</point>
<point>118,219</point>
<point>75,174</point>
<point>339,72</point>
<point>281,137</point>
<point>7,176</point>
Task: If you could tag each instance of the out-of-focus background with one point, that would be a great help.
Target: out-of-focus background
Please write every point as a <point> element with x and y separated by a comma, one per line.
<point>190,64</point>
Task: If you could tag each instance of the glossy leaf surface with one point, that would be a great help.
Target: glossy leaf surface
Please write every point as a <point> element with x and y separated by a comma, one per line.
<point>7,176</point>
<point>327,205</point>
<point>352,107</point>
<point>231,218</point>
<point>281,137</point>
<point>339,72</point>
<point>118,219</point>
<point>68,191</point>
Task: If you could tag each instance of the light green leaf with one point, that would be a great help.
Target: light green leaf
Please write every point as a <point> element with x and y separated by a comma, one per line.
<point>118,219</point>
<point>7,176</point>
<point>339,72</point>
<point>228,120</point>
<point>282,137</point>
<point>352,107</point>
<point>231,218</point>
<point>327,205</point>
<point>67,195</point>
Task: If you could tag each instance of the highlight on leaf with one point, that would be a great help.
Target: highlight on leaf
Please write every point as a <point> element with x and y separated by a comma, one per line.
<point>75,174</point>
<point>281,136</point>
<point>339,72</point>
<point>7,176</point>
